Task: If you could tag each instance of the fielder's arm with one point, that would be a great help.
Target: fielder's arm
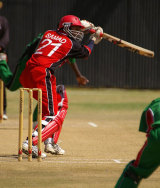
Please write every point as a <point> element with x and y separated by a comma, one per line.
<point>82,80</point>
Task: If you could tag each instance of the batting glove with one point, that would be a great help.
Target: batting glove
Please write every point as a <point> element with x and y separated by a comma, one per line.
<point>96,36</point>
<point>87,25</point>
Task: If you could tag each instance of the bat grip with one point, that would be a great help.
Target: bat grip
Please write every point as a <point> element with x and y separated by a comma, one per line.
<point>93,31</point>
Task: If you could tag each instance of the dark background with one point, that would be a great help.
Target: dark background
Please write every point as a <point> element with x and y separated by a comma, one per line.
<point>136,21</point>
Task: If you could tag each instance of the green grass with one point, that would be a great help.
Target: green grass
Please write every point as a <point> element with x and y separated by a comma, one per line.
<point>108,106</point>
<point>95,99</point>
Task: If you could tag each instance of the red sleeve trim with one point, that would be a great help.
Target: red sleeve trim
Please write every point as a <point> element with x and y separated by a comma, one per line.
<point>88,49</point>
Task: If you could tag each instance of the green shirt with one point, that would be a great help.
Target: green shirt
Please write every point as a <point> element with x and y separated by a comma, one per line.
<point>154,106</point>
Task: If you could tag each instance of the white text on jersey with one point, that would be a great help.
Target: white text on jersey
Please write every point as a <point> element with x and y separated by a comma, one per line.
<point>54,37</point>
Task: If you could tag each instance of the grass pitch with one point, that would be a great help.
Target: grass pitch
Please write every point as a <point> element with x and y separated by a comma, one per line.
<point>100,136</point>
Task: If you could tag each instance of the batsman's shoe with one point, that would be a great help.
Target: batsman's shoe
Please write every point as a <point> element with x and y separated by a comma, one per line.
<point>5,117</point>
<point>54,149</point>
<point>34,150</point>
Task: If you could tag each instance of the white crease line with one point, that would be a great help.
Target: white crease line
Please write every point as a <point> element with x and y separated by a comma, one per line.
<point>70,161</point>
<point>117,161</point>
<point>83,162</point>
<point>92,124</point>
<point>89,161</point>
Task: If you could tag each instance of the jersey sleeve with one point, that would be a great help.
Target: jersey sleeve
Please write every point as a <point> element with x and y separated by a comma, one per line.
<point>80,51</point>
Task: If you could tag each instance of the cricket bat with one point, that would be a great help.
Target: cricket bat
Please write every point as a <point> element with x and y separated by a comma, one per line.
<point>124,44</point>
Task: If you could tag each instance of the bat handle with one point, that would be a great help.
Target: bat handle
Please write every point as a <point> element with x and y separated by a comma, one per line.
<point>93,31</point>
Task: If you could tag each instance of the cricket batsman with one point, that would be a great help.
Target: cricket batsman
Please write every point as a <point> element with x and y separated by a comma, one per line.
<point>54,49</point>
<point>147,160</point>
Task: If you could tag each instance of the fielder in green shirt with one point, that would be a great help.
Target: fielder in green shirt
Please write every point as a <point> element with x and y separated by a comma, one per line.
<point>148,158</point>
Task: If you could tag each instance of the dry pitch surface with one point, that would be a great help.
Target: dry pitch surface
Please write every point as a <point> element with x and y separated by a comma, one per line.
<point>100,135</point>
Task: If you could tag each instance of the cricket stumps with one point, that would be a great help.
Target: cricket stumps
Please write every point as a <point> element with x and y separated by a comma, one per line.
<point>30,118</point>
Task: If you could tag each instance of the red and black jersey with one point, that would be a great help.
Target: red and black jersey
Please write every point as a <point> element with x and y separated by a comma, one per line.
<point>55,47</point>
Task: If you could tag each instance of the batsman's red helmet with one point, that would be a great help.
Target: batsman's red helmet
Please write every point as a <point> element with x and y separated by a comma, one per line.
<point>71,20</point>
<point>66,24</point>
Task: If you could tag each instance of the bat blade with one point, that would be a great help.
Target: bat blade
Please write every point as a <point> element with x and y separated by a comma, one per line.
<point>124,44</point>
<point>129,46</point>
